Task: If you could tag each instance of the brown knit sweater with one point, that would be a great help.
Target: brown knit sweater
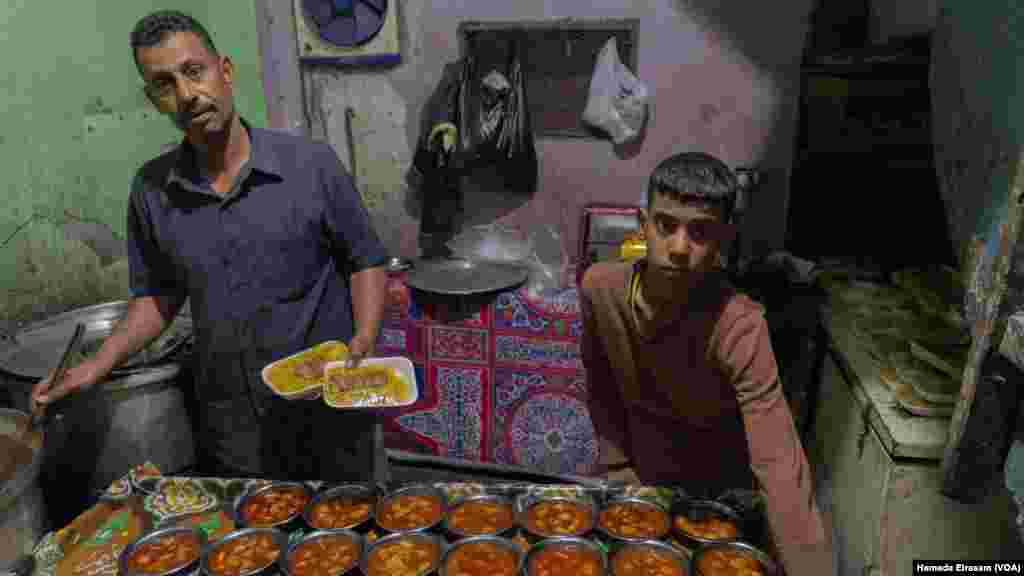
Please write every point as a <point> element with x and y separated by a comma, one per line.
<point>698,403</point>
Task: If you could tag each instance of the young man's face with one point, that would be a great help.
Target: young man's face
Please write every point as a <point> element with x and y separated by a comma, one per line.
<point>683,238</point>
<point>189,84</point>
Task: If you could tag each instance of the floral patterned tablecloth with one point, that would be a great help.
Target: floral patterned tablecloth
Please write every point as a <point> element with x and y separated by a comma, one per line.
<point>503,382</point>
<point>144,500</point>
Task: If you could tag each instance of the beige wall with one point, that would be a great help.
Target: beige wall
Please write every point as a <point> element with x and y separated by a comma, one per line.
<point>723,73</point>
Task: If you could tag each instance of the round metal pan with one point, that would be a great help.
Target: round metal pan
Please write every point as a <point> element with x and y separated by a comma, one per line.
<point>36,348</point>
<point>460,277</point>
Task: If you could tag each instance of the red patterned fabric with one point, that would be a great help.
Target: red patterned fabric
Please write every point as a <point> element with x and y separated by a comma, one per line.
<point>506,385</point>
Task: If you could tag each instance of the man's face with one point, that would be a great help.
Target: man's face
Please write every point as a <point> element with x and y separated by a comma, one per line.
<point>189,84</point>
<point>683,238</point>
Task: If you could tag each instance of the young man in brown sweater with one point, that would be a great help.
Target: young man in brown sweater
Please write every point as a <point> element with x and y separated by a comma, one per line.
<point>684,387</point>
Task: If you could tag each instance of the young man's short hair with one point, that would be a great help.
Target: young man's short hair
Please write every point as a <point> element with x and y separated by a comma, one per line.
<point>694,176</point>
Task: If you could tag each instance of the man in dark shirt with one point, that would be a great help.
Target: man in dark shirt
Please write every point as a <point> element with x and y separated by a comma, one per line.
<point>267,237</point>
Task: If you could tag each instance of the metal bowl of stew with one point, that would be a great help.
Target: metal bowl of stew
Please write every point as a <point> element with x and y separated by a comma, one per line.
<point>706,516</point>
<point>578,549</point>
<point>469,556</point>
<point>630,560</point>
<point>645,520</point>
<point>464,520</point>
<point>163,552</point>
<point>344,512</point>
<point>402,552</point>
<point>323,553</point>
<point>583,517</point>
<point>730,554</point>
<point>256,509</point>
<point>245,552</point>
<point>415,508</point>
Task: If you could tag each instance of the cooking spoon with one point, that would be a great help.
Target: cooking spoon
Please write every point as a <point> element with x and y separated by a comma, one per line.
<point>38,413</point>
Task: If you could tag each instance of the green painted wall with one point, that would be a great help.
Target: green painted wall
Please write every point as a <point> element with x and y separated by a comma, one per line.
<point>76,126</point>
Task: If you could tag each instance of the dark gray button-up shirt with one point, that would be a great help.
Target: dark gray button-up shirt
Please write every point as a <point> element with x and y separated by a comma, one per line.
<point>266,267</point>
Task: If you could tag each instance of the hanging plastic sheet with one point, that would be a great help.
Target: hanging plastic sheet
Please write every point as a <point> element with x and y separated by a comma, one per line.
<point>495,122</point>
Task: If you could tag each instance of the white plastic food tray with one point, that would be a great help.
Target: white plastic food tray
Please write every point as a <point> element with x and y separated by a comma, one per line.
<point>402,365</point>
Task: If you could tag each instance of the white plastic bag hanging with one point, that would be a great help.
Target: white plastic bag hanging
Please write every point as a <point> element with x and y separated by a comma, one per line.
<point>493,243</point>
<point>617,102</point>
<point>541,252</point>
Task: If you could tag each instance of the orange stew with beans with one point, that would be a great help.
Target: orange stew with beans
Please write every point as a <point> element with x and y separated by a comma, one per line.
<point>340,512</point>
<point>409,512</point>
<point>558,560</point>
<point>482,559</point>
<point>728,563</point>
<point>244,554</point>
<point>559,518</point>
<point>634,520</point>
<point>165,553</point>
<point>324,556</point>
<point>403,557</point>
<point>642,561</point>
<point>481,517</point>
<point>711,527</point>
<point>274,506</point>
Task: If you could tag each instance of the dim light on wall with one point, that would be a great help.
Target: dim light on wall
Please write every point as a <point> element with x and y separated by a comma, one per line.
<point>348,32</point>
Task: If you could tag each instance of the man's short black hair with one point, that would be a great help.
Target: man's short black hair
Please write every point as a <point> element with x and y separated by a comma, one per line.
<point>153,29</point>
<point>694,176</point>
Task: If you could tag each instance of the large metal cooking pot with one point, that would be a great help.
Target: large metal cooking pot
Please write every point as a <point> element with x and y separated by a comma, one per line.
<point>122,423</point>
<point>22,510</point>
<point>95,436</point>
<point>35,349</point>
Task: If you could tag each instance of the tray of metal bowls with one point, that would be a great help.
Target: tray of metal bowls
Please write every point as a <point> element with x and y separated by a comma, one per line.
<point>697,523</point>
<point>276,505</point>
<point>646,558</point>
<point>415,508</point>
<point>323,553</point>
<point>558,516</point>
<point>346,506</point>
<point>163,552</point>
<point>732,559</point>
<point>482,556</point>
<point>628,520</point>
<point>480,515</point>
<point>408,553</point>
<point>565,555</point>
<point>245,552</point>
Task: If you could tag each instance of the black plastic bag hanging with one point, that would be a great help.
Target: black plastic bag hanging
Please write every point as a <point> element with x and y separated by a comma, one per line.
<point>516,140</point>
<point>495,122</point>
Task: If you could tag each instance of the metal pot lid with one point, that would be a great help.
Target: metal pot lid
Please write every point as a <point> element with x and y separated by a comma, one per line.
<point>464,277</point>
<point>36,348</point>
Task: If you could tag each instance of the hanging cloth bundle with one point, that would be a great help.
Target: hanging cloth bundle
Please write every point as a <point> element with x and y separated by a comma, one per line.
<point>438,161</point>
